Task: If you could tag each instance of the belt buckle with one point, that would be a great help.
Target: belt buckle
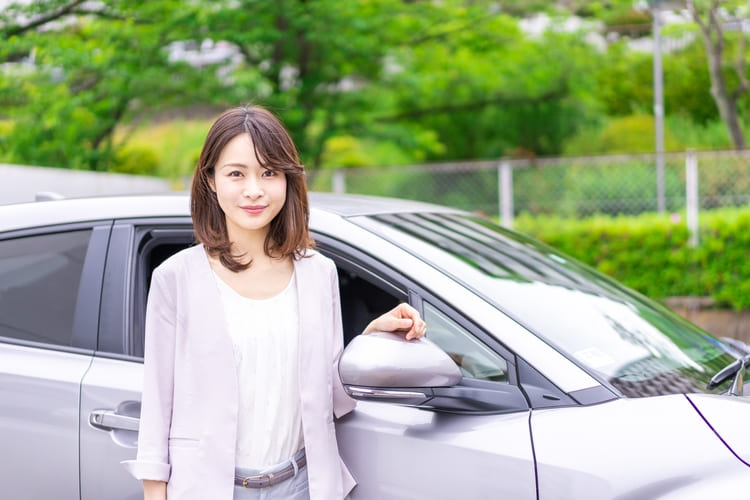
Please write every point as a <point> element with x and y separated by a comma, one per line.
<point>259,477</point>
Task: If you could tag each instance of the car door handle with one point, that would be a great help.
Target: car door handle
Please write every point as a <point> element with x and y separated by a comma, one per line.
<point>110,420</point>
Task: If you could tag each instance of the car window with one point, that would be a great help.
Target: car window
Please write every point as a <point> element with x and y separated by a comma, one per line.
<point>623,339</point>
<point>155,245</point>
<point>475,360</point>
<point>362,300</point>
<point>39,280</point>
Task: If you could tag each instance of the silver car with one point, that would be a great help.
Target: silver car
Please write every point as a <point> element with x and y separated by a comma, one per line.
<point>539,378</point>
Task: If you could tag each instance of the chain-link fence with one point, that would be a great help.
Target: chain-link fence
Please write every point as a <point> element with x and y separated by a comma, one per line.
<point>570,187</point>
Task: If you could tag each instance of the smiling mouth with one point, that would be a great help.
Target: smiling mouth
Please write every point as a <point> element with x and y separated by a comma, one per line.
<point>255,209</point>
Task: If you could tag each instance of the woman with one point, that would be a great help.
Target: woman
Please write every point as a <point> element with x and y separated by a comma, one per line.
<point>243,334</point>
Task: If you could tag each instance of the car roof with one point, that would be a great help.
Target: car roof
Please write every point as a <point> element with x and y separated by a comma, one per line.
<point>74,210</point>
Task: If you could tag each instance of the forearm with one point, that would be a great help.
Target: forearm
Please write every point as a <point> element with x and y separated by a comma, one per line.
<point>154,490</point>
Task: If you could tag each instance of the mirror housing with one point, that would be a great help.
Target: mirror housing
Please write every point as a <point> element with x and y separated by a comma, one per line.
<point>383,359</point>
<point>386,367</point>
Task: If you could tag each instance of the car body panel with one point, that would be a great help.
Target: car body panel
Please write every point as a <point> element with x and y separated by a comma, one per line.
<point>110,391</point>
<point>729,419</point>
<point>405,453</point>
<point>632,449</point>
<point>39,421</point>
<point>69,414</point>
<point>49,213</point>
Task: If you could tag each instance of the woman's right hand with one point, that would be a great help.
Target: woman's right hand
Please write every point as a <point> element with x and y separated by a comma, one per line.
<point>154,490</point>
<point>402,319</point>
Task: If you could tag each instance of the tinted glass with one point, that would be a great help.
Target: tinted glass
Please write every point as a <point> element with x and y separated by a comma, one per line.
<point>474,359</point>
<point>39,281</point>
<point>636,345</point>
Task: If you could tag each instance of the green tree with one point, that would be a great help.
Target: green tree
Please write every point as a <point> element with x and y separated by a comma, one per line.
<point>361,82</point>
<point>625,88</point>
<point>489,89</point>
<point>94,67</point>
<point>309,61</point>
<point>727,58</point>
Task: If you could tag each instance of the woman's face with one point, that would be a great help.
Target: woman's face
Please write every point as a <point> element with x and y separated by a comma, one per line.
<point>249,194</point>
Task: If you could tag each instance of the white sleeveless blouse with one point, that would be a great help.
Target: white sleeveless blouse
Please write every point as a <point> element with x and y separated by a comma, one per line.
<point>265,339</point>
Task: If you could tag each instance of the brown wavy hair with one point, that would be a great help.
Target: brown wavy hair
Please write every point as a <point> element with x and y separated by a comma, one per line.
<point>289,234</point>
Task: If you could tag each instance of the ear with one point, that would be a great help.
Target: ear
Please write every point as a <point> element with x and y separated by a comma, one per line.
<point>211,183</point>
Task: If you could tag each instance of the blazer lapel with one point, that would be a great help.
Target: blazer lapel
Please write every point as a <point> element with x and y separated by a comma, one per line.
<point>207,303</point>
<point>203,280</point>
<point>305,319</point>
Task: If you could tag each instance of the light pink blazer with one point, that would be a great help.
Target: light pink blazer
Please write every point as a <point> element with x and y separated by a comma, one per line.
<point>189,405</point>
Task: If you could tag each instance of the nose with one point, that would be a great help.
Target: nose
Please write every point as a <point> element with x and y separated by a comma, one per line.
<point>252,188</point>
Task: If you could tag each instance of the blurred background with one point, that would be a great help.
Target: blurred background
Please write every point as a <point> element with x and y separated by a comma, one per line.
<point>614,130</point>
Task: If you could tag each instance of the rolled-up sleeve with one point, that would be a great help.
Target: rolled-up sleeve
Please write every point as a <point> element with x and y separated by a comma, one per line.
<point>152,460</point>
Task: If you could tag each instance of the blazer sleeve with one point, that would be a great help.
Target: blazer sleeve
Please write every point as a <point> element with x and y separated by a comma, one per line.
<point>342,403</point>
<point>152,460</point>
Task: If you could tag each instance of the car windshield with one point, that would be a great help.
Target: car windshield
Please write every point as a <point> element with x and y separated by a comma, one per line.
<point>634,344</point>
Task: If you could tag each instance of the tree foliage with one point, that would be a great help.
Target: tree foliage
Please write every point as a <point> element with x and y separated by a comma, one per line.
<point>357,82</point>
<point>727,57</point>
<point>89,72</point>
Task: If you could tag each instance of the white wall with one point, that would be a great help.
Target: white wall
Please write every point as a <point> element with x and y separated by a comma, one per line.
<point>20,183</point>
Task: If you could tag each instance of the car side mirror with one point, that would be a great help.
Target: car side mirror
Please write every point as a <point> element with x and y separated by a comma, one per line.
<point>387,367</point>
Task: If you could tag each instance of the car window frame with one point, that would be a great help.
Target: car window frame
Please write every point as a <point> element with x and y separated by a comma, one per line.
<point>340,251</point>
<point>538,390</point>
<point>122,285</point>
<point>88,300</point>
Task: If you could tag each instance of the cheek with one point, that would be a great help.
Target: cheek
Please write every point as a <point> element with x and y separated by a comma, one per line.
<point>281,189</point>
<point>280,196</point>
<point>224,194</point>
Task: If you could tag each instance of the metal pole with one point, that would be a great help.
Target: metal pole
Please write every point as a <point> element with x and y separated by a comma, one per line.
<point>691,196</point>
<point>339,182</point>
<point>658,110</point>
<point>505,193</point>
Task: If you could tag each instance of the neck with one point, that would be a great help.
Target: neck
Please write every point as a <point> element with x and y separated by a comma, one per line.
<point>249,243</point>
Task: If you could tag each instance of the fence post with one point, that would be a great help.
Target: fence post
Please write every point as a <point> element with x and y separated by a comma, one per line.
<point>691,196</point>
<point>339,181</point>
<point>658,110</point>
<point>505,193</point>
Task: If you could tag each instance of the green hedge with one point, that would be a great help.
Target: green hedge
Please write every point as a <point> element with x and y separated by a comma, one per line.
<point>650,253</point>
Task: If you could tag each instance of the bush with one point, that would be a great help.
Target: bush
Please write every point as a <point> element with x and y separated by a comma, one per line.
<point>650,253</point>
<point>6,127</point>
<point>137,160</point>
<point>627,134</point>
<point>177,144</point>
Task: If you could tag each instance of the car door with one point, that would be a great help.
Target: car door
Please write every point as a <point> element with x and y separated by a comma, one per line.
<point>393,451</point>
<point>49,294</point>
<point>111,389</point>
<point>400,452</point>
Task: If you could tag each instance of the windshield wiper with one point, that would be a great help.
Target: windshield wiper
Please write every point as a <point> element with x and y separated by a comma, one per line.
<point>735,369</point>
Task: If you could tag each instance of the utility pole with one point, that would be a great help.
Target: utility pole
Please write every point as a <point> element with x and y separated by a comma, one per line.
<point>658,108</point>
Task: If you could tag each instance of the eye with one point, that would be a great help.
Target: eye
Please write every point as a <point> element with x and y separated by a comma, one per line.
<point>269,173</point>
<point>234,173</point>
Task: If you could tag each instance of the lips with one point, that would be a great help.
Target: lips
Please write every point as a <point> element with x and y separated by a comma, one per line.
<point>254,209</point>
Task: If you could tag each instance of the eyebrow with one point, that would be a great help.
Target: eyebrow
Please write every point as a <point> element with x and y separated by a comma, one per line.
<point>241,165</point>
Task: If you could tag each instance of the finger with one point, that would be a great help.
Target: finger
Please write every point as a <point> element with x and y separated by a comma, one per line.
<point>417,331</point>
<point>394,324</point>
<point>407,311</point>
<point>402,324</point>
